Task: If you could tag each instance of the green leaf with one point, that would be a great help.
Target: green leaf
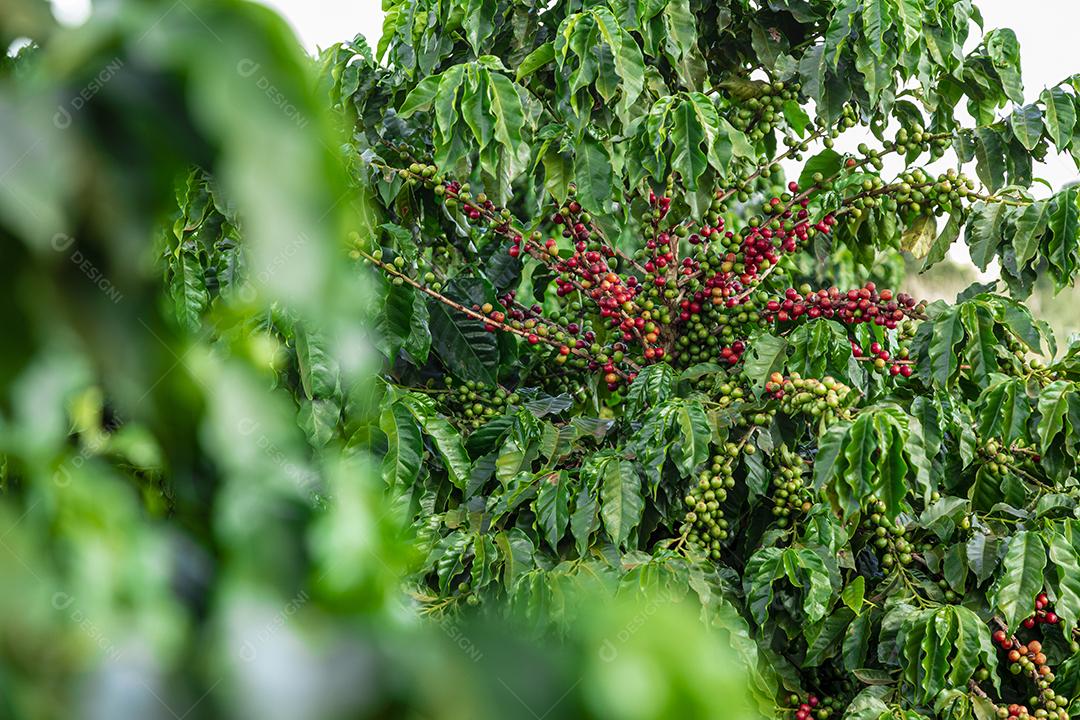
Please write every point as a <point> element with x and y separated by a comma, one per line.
<point>399,304</point>
<point>891,486</point>
<point>973,648</point>
<point>1065,555</point>
<point>854,593</point>
<point>621,501</point>
<point>956,569</point>
<point>692,443</point>
<point>553,507</point>
<point>188,289</point>
<point>764,567</point>
<point>687,135</point>
<point>1053,404</point>
<point>593,175</point>
<point>818,596</point>
<point>876,20</point>
<point>479,22</point>
<point>629,63</point>
<point>734,632</point>
<point>827,162</point>
<point>319,419</point>
<point>1065,223</point>
<point>1005,410</point>
<point>585,520</point>
<point>767,354</point>
<point>982,555</point>
<point>910,15</point>
<point>446,439</point>
<point>653,386</point>
<point>1059,116</point>
<point>1022,577</point>
<point>512,460</point>
<point>796,117</point>
<point>984,232</point>
<point>535,60</point>
<point>979,351</point>
<point>829,91</point>
<point>948,331</point>
<point>1027,123</point>
<point>421,98</point>
<point>940,247</point>
<point>918,238</point>
<point>857,642</point>
<point>1004,52</point>
<point>937,645</point>
<point>468,350</point>
<point>824,640</point>
<point>418,342</point>
<point>318,372</point>
<point>1030,226</point>
<point>830,462</point>
<point>990,158</point>
<point>517,551</point>
<point>401,463</point>
<point>857,480</point>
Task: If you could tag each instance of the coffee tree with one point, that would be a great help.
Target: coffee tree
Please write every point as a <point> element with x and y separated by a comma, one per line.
<point>643,326</point>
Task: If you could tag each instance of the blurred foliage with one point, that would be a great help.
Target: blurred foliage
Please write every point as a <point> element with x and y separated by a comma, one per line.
<point>178,538</point>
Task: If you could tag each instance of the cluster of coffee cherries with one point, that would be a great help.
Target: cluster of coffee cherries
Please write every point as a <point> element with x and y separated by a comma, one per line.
<point>848,119</point>
<point>880,358</point>
<point>819,708</point>
<point>810,708</point>
<point>1024,363</point>
<point>865,304</point>
<point>465,591</point>
<point>723,392</point>
<point>997,458</point>
<point>888,536</point>
<point>919,193</point>
<point>871,194</point>
<point>1030,659</point>
<point>943,585</point>
<point>1021,712</point>
<point>1025,657</point>
<point>526,318</point>
<point>759,114</point>
<point>809,396</point>
<point>790,495</point>
<point>914,139</point>
<point>707,527</point>
<point>1044,613</point>
<point>473,403</point>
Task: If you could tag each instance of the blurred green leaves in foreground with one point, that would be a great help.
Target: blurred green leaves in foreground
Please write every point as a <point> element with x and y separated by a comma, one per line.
<point>170,543</point>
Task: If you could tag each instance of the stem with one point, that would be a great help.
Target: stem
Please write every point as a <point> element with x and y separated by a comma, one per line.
<point>396,272</point>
